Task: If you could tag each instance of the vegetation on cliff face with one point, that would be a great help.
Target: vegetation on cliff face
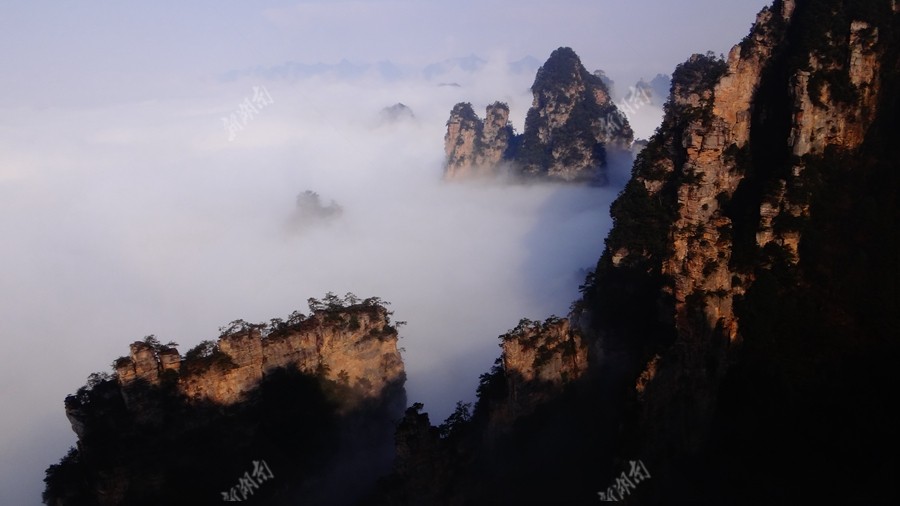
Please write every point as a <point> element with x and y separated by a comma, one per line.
<point>624,295</point>
<point>144,440</point>
<point>501,451</point>
<point>822,31</point>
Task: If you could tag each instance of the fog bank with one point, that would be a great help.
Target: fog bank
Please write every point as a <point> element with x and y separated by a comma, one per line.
<point>144,218</point>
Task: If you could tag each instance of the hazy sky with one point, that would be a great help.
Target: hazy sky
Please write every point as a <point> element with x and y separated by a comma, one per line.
<point>97,52</point>
<point>126,210</point>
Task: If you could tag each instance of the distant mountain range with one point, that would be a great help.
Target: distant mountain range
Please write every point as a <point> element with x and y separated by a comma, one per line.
<point>384,69</point>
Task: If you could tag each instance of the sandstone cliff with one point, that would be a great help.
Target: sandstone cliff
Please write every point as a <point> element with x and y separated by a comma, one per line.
<point>728,202</point>
<point>539,359</point>
<point>569,127</point>
<point>704,156</point>
<point>475,147</point>
<point>357,346</point>
<point>315,396</point>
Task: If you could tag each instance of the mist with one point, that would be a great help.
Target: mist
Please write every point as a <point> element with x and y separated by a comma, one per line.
<point>144,218</point>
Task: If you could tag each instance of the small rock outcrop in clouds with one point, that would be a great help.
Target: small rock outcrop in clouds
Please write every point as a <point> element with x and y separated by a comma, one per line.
<point>396,113</point>
<point>571,124</point>
<point>167,429</point>
<point>311,212</point>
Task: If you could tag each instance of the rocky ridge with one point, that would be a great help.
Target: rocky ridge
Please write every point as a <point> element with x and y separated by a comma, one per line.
<point>357,347</point>
<point>569,127</point>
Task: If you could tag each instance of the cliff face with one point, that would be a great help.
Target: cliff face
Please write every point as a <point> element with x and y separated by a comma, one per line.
<point>358,348</point>
<point>496,135</point>
<point>728,202</point>
<point>569,127</point>
<point>315,396</point>
<point>704,161</point>
<point>539,359</point>
<point>475,147</point>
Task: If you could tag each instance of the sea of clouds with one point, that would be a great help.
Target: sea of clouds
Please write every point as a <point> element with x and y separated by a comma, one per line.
<point>165,217</point>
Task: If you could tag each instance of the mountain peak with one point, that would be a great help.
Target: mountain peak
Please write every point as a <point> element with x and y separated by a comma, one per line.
<point>568,130</point>
<point>562,69</point>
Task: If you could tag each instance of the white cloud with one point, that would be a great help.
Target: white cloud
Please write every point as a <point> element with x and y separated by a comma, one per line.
<point>143,218</point>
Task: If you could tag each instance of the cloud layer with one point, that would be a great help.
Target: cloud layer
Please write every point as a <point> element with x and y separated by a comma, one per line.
<point>143,218</point>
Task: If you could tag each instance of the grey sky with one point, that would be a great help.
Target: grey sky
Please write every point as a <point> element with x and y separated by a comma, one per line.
<point>126,211</point>
<point>63,51</point>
